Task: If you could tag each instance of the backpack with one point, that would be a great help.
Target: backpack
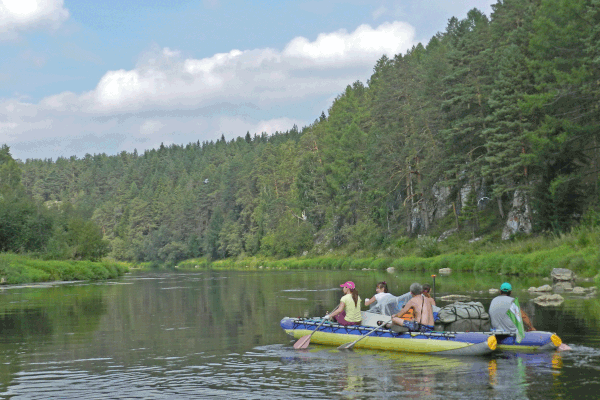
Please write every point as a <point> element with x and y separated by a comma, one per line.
<point>457,311</point>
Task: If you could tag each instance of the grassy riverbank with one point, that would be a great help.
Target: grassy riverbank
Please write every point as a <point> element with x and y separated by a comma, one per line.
<point>578,250</point>
<point>16,269</point>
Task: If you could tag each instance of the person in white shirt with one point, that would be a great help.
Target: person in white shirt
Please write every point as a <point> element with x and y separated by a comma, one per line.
<point>381,291</point>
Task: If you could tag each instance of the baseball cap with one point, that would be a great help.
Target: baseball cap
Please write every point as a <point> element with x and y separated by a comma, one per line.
<point>350,285</point>
<point>505,287</point>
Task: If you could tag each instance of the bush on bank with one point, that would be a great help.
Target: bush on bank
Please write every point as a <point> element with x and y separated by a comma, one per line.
<point>16,269</point>
<point>578,251</point>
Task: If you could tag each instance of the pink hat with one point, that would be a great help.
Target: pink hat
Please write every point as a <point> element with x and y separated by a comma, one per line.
<point>350,285</point>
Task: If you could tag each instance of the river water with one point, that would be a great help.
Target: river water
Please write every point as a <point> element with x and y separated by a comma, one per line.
<point>216,335</point>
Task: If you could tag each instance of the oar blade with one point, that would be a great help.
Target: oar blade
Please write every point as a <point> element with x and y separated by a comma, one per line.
<point>346,346</point>
<point>302,343</point>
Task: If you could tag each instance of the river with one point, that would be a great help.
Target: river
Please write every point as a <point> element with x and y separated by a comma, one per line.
<point>214,334</point>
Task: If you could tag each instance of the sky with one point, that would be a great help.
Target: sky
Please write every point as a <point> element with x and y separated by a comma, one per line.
<point>88,77</point>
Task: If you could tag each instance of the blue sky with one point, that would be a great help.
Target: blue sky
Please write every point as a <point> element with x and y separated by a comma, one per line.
<point>107,76</point>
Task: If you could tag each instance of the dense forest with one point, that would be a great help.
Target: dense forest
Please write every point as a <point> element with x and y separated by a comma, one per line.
<point>493,113</point>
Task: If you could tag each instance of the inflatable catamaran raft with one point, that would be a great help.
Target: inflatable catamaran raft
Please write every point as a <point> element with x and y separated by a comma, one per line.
<point>443,343</point>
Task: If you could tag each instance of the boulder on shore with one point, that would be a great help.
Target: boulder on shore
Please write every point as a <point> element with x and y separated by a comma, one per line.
<point>589,292</point>
<point>549,300</point>
<point>561,287</point>
<point>562,275</point>
<point>445,271</point>
<point>456,297</point>
<point>544,288</point>
<point>494,291</point>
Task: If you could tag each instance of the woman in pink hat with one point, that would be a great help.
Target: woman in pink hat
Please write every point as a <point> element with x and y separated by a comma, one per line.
<point>348,312</point>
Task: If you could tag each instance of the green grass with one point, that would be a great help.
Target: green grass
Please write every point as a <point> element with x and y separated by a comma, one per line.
<point>16,269</point>
<point>578,250</point>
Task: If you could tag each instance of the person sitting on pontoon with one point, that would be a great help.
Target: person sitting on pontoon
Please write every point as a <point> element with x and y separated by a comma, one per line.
<point>389,305</point>
<point>499,316</point>
<point>422,319</point>
<point>348,312</point>
<point>381,292</point>
<point>426,293</point>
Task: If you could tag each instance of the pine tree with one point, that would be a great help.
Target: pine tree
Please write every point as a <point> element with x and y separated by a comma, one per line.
<point>466,106</point>
<point>566,119</point>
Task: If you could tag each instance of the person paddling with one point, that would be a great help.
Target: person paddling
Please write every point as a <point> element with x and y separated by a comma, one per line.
<point>348,312</point>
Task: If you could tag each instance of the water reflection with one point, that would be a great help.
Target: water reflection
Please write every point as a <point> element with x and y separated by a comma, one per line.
<point>217,335</point>
<point>416,376</point>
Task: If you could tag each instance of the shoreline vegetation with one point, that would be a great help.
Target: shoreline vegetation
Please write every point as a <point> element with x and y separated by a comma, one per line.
<point>19,269</point>
<point>578,251</point>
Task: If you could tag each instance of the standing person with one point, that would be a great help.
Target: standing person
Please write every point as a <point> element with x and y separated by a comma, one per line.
<point>423,313</point>
<point>499,311</point>
<point>348,312</point>
<point>381,291</point>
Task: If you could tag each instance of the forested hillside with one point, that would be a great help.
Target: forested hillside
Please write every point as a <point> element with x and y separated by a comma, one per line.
<point>54,230</point>
<point>495,120</point>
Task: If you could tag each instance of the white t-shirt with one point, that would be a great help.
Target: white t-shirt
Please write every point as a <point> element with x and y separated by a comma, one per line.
<point>380,296</point>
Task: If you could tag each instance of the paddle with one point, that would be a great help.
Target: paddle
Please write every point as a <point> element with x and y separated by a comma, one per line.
<point>348,346</point>
<point>303,342</point>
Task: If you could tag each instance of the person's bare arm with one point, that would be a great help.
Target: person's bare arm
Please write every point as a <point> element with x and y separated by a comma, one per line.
<point>370,301</point>
<point>405,309</point>
<point>338,310</point>
<point>527,321</point>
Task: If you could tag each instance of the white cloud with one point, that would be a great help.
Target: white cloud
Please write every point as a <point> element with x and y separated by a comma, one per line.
<point>21,15</point>
<point>7,126</point>
<point>168,96</point>
<point>233,127</point>
<point>277,125</point>
<point>365,43</point>
<point>150,127</point>
<point>167,52</point>
<point>163,80</point>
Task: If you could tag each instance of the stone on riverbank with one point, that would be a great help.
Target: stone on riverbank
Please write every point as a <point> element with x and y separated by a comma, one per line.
<point>562,275</point>
<point>561,287</point>
<point>589,292</point>
<point>544,288</point>
<point>549,300</point>
<point>494,291</point>
<point>456,297</point>
<point>445,271</point>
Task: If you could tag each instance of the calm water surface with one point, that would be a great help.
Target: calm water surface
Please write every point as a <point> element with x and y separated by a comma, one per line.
<point>217,335</point>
